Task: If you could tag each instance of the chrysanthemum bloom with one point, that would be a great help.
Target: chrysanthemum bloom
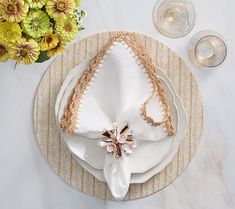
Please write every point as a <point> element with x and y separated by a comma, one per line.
<point>49,41</point>
<point>60,8</point>
<point>13,10</point>
<point>57,50</point>
<point>4,55</point>
<point>36,4</point>
<point>25,52</point>
<point>36,23</point>
<point>9,32</point>
<point>67,29</point>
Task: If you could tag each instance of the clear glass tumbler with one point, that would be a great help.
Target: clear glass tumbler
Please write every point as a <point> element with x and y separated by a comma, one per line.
<point>207,49</point>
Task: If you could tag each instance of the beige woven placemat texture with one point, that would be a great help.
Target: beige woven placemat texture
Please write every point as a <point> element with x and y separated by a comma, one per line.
<point>59,157</point>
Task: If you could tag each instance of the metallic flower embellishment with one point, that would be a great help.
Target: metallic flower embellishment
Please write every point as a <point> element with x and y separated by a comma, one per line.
<point>117,140</point>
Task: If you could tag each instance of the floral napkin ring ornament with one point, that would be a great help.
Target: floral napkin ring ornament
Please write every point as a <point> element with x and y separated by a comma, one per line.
<point>117,140</point>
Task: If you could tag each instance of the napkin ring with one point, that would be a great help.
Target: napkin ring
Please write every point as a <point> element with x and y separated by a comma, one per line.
<point>117,140</point>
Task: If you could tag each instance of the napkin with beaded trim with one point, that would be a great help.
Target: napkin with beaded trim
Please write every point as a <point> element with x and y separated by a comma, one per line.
<point>119,102</point>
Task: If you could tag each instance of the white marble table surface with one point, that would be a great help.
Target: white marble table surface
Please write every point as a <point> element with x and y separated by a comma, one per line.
<point>26,180</point>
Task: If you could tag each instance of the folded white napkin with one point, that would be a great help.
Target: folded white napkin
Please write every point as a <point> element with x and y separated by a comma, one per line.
<point>119,92</point>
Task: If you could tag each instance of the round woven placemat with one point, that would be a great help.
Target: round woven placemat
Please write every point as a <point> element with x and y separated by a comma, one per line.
<point>59,157</point>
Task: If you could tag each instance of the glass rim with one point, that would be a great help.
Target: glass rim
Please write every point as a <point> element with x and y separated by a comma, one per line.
<point>167,33</point>
<point>225,55</point>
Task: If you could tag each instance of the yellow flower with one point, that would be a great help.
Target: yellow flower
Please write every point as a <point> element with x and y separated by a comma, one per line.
<point>57,50</point>
<point>49,41</point>
<point>25,52</point>
<point>13,10</point>
<point>67,29</point>
<point>9,32</point>
<point>36,4</point>
<point>4,55</point>
<point>60,8</point>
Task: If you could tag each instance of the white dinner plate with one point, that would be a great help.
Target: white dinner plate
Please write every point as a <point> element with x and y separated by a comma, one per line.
<point>142,171</point>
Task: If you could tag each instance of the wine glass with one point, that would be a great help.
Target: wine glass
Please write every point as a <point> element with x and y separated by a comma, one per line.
<point>174,18</point>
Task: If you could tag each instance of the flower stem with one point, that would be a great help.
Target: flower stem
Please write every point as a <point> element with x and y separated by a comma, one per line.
<point>15,65</point>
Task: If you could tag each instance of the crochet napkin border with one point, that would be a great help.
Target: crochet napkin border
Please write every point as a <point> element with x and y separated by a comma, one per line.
<point>71,110</point>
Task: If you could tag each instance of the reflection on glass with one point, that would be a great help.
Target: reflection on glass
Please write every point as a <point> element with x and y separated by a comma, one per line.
<point>174,18</point>
<point>207,49</point>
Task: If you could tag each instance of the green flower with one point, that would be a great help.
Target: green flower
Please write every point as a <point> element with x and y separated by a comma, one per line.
<point>36,4</point>
<point>77,3</point>
<point>4,55</point>
<point>36,23</point>
<point>67,29</point>
<point>58,9</point>
<point>13,10</point>
<point>25,52</point>
<point>9,32</point>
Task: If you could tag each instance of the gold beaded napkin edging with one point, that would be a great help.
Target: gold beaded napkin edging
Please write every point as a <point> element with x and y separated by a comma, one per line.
<point>71,111</point>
